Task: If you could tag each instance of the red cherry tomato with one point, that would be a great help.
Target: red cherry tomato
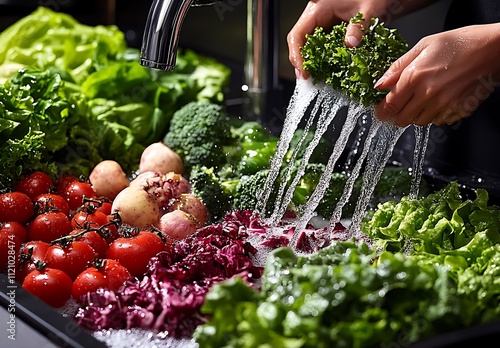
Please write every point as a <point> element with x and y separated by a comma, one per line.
<point>30,254</point>
<point>88,281</point>
<point>34,184</point>
<point>75,191</point>
<point>52,286</point>
<point>105,205</point>
<point>16,229</point>
<point>63,181</point>
<point>71,259</point>
<point>12,235</point>
<point>134,252</point>
<point>110,274</point>
<point>49,226</point>
<point>94,239</point>
<point>51,201</point>
<point>89,218</point>
<point>15,206</point>
<point>115,272</point>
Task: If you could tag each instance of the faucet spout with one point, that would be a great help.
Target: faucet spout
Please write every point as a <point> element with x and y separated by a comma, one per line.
<point>161,38</point>
<point>161,34</point>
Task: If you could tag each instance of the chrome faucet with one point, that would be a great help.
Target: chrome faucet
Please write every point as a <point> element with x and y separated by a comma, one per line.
<point>161,38</point>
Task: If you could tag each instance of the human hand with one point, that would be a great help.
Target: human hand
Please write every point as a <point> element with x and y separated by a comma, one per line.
<point>326,14</point>
<point>443,78</point>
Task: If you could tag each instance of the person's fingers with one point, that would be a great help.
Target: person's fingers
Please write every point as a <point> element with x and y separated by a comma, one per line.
<point>424,118</point>
<point>294,55</point>
<point>391,76</point>
<point>296,38</point>
<point>354,33</point>
<point>391,107</point>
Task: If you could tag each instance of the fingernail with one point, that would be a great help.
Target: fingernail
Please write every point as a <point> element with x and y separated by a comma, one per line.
<point>352,40</point>
<point>379,82</point>
<point>300,74</point>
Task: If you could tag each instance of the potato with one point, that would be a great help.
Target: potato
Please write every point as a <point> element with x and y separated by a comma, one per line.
<point>137,207</point>
<point>158,157</point>
<point>191,204</point>
<point>108,179</point>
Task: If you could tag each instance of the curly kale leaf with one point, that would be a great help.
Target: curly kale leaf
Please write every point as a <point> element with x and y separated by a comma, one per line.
<point>353,70</point>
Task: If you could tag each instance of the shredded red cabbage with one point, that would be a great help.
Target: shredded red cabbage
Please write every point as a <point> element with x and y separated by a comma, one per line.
<point>168,298</point>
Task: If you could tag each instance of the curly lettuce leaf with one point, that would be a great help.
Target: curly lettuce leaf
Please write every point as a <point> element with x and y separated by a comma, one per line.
<point>27,151</point>
<point>440,221</point>
<point>34,119</point>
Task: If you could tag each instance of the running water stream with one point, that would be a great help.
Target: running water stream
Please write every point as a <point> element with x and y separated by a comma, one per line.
<point>374,152</point>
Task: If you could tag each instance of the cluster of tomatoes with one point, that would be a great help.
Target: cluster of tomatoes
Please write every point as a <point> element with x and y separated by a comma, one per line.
<point>60,241</point>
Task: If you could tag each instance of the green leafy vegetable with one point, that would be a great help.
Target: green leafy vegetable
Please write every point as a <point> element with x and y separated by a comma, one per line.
<point>49,40</point>
<point>34,120</point>
<point>440,221</point>
<point>337,297</point>
<point>353,70</point>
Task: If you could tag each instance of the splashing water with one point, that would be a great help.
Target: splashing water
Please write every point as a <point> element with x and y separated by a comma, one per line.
<point>331,103</point>
<point>379,141</point>
<point>380,152</point>
<point>352,116</point>
<point>302,96</point>
<point>421,140</point>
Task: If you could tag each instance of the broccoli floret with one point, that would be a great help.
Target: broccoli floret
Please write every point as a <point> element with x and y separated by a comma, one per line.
<point>198,132</point>
<point>246,190</point>
<point>307,184</point>
<point>206,185</point>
